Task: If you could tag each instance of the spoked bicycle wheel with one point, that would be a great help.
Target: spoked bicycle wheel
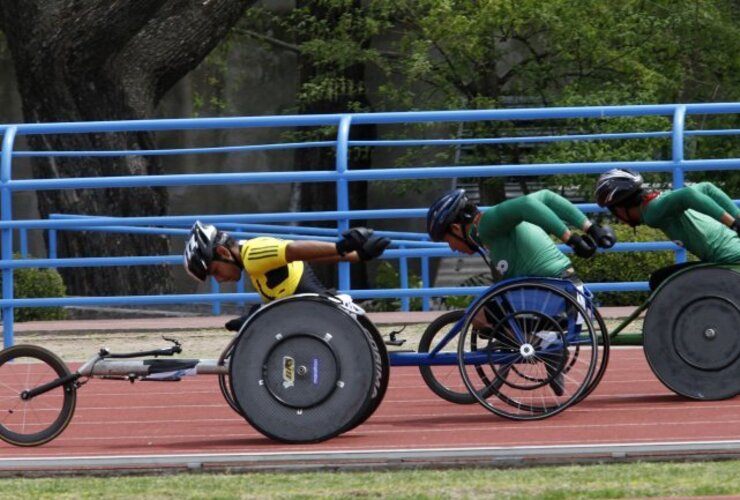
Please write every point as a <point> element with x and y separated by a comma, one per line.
<point>32,421</point>
<point>541,354</point>
<point>444,380</point>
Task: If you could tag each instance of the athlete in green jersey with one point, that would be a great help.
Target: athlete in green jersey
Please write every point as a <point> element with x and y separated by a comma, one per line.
<point>700,218</point>
<point>515,233</point>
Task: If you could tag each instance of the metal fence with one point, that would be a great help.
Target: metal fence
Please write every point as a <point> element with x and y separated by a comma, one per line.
<point>406,245</point>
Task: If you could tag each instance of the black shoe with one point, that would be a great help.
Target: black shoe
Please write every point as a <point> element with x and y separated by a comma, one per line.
<point>235,324</point>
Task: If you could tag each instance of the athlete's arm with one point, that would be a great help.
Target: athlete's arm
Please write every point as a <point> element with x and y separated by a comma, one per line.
<point>564,209</point>
<point>316,251</point>
<point>721,198</point>
<point>505,216</point>
<point>676,202</point>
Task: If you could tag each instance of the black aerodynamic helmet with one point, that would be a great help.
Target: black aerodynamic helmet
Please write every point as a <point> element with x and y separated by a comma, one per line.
<point>451,207</point>
<point>618,186</point>
<point>199,252</point>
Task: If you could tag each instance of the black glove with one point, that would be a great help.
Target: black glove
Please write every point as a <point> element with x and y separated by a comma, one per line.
<point>736,226</point>
<point>353,239</point>
<point>583,246</point>
<point>373,248</point>
<point>603,235</point>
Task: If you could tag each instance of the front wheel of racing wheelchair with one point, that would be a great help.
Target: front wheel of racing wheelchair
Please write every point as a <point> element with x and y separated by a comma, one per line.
<point>545,348</point>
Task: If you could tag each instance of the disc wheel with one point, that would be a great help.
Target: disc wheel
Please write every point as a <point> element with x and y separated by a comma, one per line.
<point>304,370</point>
<point>444,379</point>
<point>542,354</point>
<point>690,333</point>
<point>39,419</point>
<point>382,372</point>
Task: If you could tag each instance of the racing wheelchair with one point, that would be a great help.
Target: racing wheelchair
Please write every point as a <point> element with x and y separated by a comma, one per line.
<point>527,348</point>
<point>309,367</point>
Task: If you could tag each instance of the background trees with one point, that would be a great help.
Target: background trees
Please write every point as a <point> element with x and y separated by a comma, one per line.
<point>117,59</point>
<point>107,60</point>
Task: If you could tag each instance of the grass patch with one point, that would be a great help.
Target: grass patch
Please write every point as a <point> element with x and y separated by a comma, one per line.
<point>628,480</point>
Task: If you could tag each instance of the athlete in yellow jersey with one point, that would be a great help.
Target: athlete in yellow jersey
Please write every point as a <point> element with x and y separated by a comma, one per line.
<point>276,267</point>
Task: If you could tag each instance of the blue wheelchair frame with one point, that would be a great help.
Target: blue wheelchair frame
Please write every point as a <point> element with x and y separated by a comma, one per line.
<point>436,358</point>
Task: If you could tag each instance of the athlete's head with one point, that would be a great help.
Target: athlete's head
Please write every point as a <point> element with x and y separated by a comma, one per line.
<point>448,217</point>
<point>619,187</point>
<point>208,252</point>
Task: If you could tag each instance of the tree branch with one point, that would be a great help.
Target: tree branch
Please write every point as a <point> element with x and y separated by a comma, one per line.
<point>291,47</point>
<point>176,40</point>
<point>123,19</point>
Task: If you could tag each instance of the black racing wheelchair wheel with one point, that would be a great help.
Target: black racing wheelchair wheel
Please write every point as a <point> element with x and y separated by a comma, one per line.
<point>444,380</point>
<point>690,333</point>
<point>32,421</point>
<point>541,355</point>
<point>304,369</point>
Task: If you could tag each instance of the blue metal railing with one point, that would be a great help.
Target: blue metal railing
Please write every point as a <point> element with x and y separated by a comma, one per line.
<point>407,245</point>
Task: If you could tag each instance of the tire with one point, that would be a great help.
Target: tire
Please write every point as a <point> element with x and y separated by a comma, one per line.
<point>42,418</point>
<point>445,380</point>
<point>603,340</point>
<point>541,355</point>
<point>305,370</point>
<point>224,383</point>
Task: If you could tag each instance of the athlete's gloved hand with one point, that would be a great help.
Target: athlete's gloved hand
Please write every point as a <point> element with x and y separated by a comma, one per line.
<point>373,247</point>
<point>603,235</point>
<point>353,239</point>
<point>583,246</point>
<point>736,226</point>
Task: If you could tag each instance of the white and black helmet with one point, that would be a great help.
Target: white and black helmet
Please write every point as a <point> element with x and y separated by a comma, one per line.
<point>198,253</point>
<point>618,185</point>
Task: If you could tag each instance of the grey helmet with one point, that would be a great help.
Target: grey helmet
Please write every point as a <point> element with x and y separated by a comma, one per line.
<point>198,253</point>
<point>618,185</point>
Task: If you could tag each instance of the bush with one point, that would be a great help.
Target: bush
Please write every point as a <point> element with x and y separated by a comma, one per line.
<point>31,283</point>
<point>388,277</point>
<point>625,266</point>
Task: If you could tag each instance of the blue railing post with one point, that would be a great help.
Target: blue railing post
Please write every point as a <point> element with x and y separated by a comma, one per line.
<point>403,272</point>
<point>23,237</point>
<point>342,163</point>
<point>6,214</point>
<point>53,244</point>
<point>679,122</point>
<point>425,282</point>
<point>215,288</point>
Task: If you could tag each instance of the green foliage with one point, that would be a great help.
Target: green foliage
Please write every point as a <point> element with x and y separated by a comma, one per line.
<point>624,266</point>
<point>388,277</point>
<point>30,283</point>
<point>463,301</point>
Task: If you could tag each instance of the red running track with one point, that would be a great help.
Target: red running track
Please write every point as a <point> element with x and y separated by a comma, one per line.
<point>178,419</point>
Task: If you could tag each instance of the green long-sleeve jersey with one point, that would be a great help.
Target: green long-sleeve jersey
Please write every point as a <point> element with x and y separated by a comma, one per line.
<point>690,217</point>
<point>515,232</point>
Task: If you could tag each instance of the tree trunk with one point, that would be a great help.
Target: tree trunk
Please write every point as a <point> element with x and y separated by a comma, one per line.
<point>107,60</point>
<point>348,92</point>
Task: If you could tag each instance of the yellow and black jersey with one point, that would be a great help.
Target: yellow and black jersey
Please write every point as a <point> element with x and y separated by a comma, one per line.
<point>272,276</point>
